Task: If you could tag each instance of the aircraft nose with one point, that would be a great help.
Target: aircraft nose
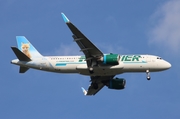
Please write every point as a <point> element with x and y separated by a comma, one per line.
<point>167,65</point>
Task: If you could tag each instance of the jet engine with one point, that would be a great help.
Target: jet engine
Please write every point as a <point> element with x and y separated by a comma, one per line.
<point>117,83</point>
<point>112,59</point>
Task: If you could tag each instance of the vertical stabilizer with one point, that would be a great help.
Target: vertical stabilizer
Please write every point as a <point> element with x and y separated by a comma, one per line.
<point>27,48</point>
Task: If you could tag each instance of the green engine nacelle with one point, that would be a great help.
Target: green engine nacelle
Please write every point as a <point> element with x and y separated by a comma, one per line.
<point>117,83</point>
<point>112,59</point>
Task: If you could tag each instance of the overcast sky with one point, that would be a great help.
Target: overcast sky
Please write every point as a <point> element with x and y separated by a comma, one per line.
<point>118,26</point>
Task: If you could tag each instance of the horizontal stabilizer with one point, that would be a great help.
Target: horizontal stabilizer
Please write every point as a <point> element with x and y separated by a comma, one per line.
<point>23,69</point>
<point>21,56</point>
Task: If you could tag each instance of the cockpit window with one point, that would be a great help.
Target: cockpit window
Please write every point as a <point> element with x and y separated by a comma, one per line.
<point>159,58</point>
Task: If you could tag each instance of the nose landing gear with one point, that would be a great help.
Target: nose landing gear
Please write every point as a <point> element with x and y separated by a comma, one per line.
<point>148,75</point>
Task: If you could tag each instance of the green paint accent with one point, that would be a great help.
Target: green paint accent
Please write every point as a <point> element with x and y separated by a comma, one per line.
<point>136,57</point>
<point>122,59</point>
<point>117,83</point>
<point>130,58</point>
<point>111,59</point>
<point>80,60</point>
<point>82,57</point>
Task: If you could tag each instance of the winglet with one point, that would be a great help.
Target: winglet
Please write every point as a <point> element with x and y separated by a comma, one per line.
<point>84,91</point>
<point>66,20</point>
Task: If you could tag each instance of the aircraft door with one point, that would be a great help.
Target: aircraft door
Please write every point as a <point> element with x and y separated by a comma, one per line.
<point>43,64</point>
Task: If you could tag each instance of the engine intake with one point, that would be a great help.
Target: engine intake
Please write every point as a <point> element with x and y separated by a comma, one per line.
<point>117,83</point>
<point>112,59</point>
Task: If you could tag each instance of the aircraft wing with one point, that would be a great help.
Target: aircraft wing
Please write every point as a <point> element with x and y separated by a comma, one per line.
<point>86,46</point>
<point>100,81</point>
<point>92,53</point>
<point>92,91</point>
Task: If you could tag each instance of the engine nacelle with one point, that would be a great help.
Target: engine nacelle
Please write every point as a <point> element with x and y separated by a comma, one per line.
<point>117,83</point>
<point>112,59</point>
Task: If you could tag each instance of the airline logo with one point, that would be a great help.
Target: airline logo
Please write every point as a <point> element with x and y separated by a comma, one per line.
<point>26,47</point>
<point>132,59</point>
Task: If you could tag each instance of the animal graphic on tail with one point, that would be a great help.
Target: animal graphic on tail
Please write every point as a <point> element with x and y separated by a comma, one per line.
<point>25,49</point>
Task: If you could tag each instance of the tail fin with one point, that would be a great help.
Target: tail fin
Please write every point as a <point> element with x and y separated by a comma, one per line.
<point>27,48</point>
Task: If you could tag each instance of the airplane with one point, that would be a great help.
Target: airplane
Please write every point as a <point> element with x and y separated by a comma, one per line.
<point>101,67</point>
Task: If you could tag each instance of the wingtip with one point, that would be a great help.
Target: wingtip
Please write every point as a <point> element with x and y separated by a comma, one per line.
<point>66,20</point>
<point>84,91</point>
<point>20,36</point>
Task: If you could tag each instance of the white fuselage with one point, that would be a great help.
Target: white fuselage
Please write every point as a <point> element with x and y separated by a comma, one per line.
<point>77,64</point>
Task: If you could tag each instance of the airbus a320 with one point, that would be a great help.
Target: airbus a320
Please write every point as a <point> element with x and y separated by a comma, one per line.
<point>101,67</point>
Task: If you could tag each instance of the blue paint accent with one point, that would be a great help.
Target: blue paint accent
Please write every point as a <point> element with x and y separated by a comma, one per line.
<point>21,40</point>
<point>66,63</point>
<point>104,58</point>
<point>60,65</point>
<point>83,90</point>
<point>65,18</point>
<point>144,61</point>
